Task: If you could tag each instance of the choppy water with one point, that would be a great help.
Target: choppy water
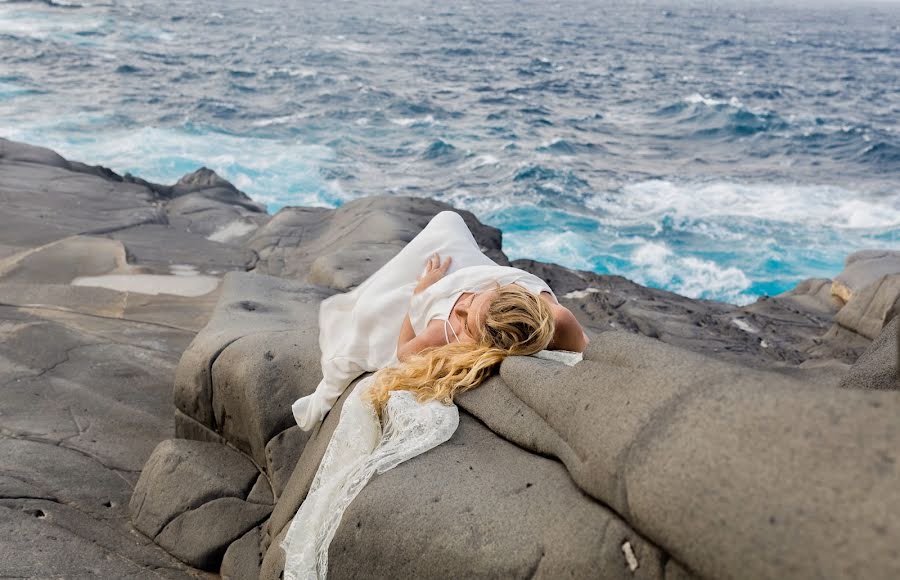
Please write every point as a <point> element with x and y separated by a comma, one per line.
<point>720,151</point>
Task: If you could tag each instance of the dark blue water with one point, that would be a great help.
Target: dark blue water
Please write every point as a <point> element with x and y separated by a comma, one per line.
<point>722,151</point>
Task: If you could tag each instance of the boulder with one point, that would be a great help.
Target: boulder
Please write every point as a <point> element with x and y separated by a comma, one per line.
<point>342,247</point>
<point>712,461</point>
<point>272,315</point>
<point>872,307</point>
<point>243,557</point>
<point>182,476</point>
<point>201,536</point>
<point>478,506</point>
<point>877,368</point>
<point>862,269</point>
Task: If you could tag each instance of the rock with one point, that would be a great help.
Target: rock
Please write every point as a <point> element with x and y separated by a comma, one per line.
<point>64,260</point>
<point>783,330</point>
<point>877,367</point>
<point>340,248</point>
<point>182,476</point>
<point>201,536</point>
<point>872,307</point>
<point>862,269</point>
<point>32,547</point>
<point>813,295</point>
<point>282,453</point>
<point>261,492</point>
<point>712,460</point>
<point>256,378</point>
<point>243,557</point>
<point>44,201</point>
<point>508,514</point>
<point>269,310</point>
<point>12,152</point>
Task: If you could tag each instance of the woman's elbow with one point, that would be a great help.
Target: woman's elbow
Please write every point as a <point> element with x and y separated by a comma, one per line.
<point>569,335</point>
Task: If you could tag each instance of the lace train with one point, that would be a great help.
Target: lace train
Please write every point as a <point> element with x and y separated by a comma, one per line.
<point>359,448</point>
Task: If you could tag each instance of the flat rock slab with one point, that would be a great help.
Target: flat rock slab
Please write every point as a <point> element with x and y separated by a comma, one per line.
<point>87,372</point>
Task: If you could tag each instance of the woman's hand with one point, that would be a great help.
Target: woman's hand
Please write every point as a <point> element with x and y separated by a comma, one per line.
<point>434,271</point>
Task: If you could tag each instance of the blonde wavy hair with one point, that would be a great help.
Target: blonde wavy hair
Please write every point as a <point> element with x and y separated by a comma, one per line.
<point>518,322</point>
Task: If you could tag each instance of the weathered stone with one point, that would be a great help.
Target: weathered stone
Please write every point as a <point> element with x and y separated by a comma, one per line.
<point>249,304</point>
<point>256,378</point>
<point>813,295</point>
<point>183,475</point>
<point>243,557</point>
<point>282,453</point>
<point>507,514</point>
<point>340,248</point>
<point>862,269</point>
<point>62,261</point>
<point>261,492</point>
<point>201,535</point>
<point>33,547</point>
<point>877,367</point>
<point>872,307</point>
<point>712,460</point>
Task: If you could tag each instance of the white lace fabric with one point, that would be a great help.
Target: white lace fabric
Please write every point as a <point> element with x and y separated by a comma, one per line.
<point>359,448</point>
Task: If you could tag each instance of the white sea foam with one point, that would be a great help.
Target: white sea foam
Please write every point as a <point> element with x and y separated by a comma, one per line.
<point>276,172</point>
<point>410,121</point>
<point>657,265</point>
<point>812,205</point>
<point>579,294</point>
<point>697,98</point>
<point>39,23</point>
<point>561,247</point>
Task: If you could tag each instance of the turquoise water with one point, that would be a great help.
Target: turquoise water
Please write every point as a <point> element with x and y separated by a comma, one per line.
<point>722,152</point>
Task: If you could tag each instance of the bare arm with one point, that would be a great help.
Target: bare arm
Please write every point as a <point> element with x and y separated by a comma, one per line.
<point>569,334</point>
<point>432,336</point>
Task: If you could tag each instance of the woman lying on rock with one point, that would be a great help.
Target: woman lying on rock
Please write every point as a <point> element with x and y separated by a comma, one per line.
<point>457,319</point>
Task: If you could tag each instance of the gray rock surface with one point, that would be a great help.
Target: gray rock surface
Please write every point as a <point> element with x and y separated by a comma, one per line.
<point>182,476</point>
<point>713,460</point>
<point>508,514</point>
<point>87,372</point>
<point>862,269</point>
<point>697,439</point>
<point>342,247</point>
<point>877,368</point>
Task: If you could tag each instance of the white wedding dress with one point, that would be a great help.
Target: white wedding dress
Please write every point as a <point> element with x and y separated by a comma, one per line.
<point>358,333</point>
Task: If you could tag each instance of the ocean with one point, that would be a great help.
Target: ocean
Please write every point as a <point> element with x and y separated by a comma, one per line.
<point>722,151</point>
